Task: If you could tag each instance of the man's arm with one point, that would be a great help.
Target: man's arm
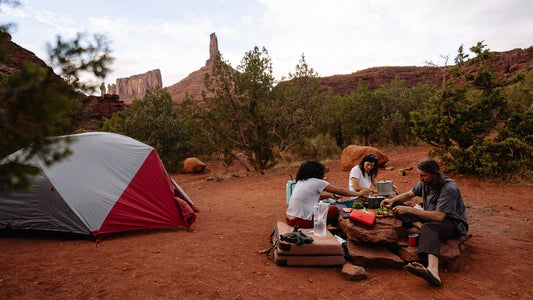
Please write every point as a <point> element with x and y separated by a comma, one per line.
<point>437,216</point>
<point>400,198</point>
<point>427,215</point>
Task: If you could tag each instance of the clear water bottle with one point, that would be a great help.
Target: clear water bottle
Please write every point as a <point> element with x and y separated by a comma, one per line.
<point>320,218</point>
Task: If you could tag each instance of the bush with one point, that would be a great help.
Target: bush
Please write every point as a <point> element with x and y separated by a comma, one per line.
<point>474,127</point>
<point>320,147</point>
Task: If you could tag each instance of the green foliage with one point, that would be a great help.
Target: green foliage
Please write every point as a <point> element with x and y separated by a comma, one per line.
<point>473,124</point>
<point>475,128</point>
<point>397,102</point>
<point>202,137</point>
<point>521,94</point>
<point>81,56</point>
<point>239,111</point>
<point>361,115</point>
<point>320,147</point>
<point>248,114</point>
<point>153,121</point>
<point>461,56</point>
<point>36,104</point>
<point>299,108</point>
<point>237,117</point>
<point>381,116</point>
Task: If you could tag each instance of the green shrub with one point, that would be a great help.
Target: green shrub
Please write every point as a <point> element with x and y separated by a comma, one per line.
<point>320,147</point>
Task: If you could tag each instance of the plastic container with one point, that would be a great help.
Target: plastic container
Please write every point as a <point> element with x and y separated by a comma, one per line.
<point>320,216</point>
<point>349,203</point>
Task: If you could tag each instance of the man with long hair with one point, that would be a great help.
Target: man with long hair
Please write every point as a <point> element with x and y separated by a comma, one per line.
<point>442,217</point>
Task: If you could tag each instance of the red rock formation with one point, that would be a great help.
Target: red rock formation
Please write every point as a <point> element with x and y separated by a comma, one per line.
<point>103,106</point>
<point>16,56</point>
<point>193,165</point>
<point>375,77</point>
<point>194,83</point>
<point>509,63</point>
<point>353,154</point>
<point>504,65</point>
<point>135,86</point>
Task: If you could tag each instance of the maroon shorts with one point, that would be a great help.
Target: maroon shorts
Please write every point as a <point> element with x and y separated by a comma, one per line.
<point>333,214</point>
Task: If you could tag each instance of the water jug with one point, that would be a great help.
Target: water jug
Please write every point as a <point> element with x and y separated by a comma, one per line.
<point>320,218</point>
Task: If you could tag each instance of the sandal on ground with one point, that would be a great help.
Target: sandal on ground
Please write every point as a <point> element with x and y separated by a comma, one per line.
<point>423,273</point>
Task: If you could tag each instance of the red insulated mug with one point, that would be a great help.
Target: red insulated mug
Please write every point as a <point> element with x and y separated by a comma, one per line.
<point>413,239</point>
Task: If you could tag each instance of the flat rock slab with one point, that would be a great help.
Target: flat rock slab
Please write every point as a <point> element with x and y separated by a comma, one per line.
<point>386,231</point>
<point>385,245</point>
<point>374,256</point>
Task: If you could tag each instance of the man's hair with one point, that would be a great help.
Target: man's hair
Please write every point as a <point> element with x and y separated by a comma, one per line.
<point>311,169</point>
<point>429,165</point>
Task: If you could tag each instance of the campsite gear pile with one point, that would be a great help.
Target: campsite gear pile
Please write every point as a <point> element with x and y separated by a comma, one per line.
<point>110,183</point>
<point>322,251</point>
<point>296,237</point>
<point>362,218</point>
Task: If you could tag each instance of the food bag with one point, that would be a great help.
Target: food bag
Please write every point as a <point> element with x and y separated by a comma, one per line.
<point>320,216</point>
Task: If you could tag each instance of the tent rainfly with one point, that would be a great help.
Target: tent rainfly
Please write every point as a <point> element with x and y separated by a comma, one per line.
<point>110,183</point>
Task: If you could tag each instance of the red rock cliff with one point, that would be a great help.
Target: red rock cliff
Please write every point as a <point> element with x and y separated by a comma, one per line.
<point>504,65</point>
<point>135,86</point>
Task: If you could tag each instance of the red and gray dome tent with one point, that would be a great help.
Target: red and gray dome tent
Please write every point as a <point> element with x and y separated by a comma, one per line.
<point>110,183</point>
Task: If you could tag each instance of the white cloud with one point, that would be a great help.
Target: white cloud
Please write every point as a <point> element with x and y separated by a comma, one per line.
<point>57,21</point>
<point>12,11</point>
<point>176,48</point>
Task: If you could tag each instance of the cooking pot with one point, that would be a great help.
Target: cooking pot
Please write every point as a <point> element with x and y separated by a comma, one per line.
<point>374,202</point>
<point>385,188</point>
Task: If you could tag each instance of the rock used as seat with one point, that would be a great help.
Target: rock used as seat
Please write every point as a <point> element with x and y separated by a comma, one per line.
<point>385,245</point>
<point>386,231</point>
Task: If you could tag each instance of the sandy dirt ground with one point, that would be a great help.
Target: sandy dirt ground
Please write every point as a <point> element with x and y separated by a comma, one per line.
<point>222,257</point>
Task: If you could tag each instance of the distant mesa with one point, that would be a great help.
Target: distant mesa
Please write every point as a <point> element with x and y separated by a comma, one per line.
<point>135,86</point>
<point>504,65</point>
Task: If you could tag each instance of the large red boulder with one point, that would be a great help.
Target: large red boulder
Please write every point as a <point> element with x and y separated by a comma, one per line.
<point>353,154</point>
<point>193,165</point>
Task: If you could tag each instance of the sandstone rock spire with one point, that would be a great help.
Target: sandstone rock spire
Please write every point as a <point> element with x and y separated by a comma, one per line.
<point>213,48</point>
<point>193,84</point>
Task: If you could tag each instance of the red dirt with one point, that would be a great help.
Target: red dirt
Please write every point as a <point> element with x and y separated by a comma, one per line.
<point>221,258</point>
